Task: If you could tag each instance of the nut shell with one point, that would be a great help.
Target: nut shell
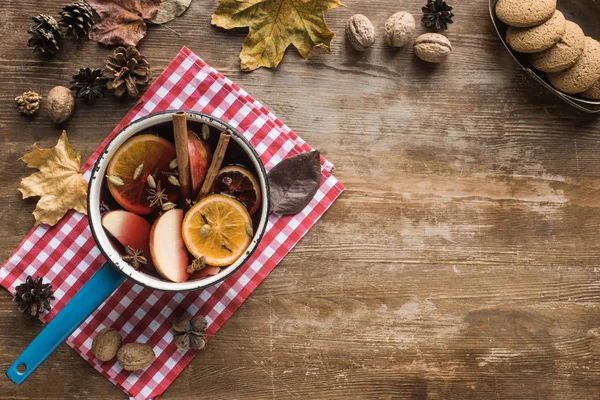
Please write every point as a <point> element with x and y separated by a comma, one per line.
<point>360,32</point>
<point>60,103</point>
<point>135,356</point>
<point>399,29</point>
<point>432,47</point>
<point>106,344</point>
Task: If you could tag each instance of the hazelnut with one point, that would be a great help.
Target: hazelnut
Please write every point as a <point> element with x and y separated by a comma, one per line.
<point>399,29</point>
<point>432,47</point>
<point>360,32</point>
<point>60,103</point>
<point>106,344</point>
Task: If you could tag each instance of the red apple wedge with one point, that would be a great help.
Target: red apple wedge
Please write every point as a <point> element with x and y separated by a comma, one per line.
<point>168,252</point>
<point>200,159</point>
<point>129,229</point>
<point>204,272</point>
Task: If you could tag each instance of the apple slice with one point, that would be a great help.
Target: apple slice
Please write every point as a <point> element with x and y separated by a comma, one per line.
<point>129,229</point>
<point>200,159</point>
<point>168,252</point>
<point>204,272</point>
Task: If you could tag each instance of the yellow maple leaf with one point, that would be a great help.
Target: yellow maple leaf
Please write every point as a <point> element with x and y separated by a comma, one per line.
<point>274,25</point>
<point>59,182</point>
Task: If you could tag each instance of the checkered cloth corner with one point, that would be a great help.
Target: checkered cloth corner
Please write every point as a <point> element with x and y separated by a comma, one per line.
<point>66,255</point>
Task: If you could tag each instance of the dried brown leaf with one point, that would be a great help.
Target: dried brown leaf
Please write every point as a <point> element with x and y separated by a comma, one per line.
<point>293,182</point>
<point>122,22</point>
<point>169,10</point>
<point>59,182</point>
<point>274,25</point>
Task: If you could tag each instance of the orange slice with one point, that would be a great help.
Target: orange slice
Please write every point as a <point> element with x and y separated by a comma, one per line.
<point>239,183</point>
<point>219,228</point>
<point>156,153</point>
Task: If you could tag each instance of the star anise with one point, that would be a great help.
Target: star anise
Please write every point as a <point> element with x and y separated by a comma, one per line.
<point>157,197</point>
<point>104,208</point>
<point>135,257</point>
<point>197,265</point>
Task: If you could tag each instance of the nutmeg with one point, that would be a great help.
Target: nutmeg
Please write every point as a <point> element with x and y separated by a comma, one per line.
<point>360,32</point>
<point>106,344</point>
<point>135,356</point>
<point>399,29</point>
<point>60,103</point>
<point>432,47</point>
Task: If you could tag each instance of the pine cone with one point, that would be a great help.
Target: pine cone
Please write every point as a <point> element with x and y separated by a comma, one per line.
<point>77,19</point>
<point>438,14</point>
<point>28,102</point>
<point>33,296</point>
<point>89,83</point>
<point>189,334</point>
<point>44,34</point>
<point>126,70</point>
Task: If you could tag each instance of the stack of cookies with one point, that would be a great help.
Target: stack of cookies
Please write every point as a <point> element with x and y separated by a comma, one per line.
<point>555,45</point>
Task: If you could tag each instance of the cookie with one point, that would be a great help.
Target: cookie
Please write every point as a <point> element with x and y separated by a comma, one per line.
<point>584,74</point>
<point>563,54</point>
<point>592,93</point>
<point>525,13</point>
<point>538,38</point>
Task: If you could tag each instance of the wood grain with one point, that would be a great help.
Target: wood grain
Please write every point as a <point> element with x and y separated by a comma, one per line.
<point>461,262</point>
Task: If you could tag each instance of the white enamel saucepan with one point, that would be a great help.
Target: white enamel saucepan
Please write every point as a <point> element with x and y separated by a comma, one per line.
<point>115,271</point>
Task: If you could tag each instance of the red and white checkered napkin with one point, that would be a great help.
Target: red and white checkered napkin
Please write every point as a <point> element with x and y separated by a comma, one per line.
<point>66,255</point>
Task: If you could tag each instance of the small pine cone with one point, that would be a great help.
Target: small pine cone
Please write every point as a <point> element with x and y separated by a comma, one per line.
<point>44,34</point>
<point>89,84</point>
<point>28,102</point>
<point>437,14</point>
<point>77,19</point>
<point>33,296</point>
<point>126,71</point>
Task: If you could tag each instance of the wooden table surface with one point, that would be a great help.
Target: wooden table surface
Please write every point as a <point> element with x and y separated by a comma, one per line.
<point>461,262</point>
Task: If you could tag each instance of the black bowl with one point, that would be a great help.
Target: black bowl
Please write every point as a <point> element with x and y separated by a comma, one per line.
<point>586,13</point>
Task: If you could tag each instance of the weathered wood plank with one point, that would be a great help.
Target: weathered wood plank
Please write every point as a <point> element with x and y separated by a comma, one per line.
<point>462,262</point>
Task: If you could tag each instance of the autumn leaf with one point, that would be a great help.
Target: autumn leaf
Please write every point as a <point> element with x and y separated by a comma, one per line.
<point>122,22</point>
<point>169,10</point>
<point>274,25</point>
<point>293,182</point>
<point>37,157</point>
<point>59,182</point>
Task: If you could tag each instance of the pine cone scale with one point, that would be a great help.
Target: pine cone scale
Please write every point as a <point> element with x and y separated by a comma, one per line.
<point>131,86</point>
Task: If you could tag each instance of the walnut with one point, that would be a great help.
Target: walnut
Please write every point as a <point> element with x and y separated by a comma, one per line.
<point>106,344</point>
<point>28,103</point>
<point>360,32</point>
<point>135,356</point>
<point>60,103</point>
<point>432,47</point>
<point>399,29</point>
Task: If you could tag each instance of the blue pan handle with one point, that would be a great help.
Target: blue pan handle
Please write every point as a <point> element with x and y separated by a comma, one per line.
<point>85,301</point>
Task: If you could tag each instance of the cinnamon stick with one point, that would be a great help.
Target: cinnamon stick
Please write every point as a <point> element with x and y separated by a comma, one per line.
<point>215,165</point>
<point>183,158</point>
